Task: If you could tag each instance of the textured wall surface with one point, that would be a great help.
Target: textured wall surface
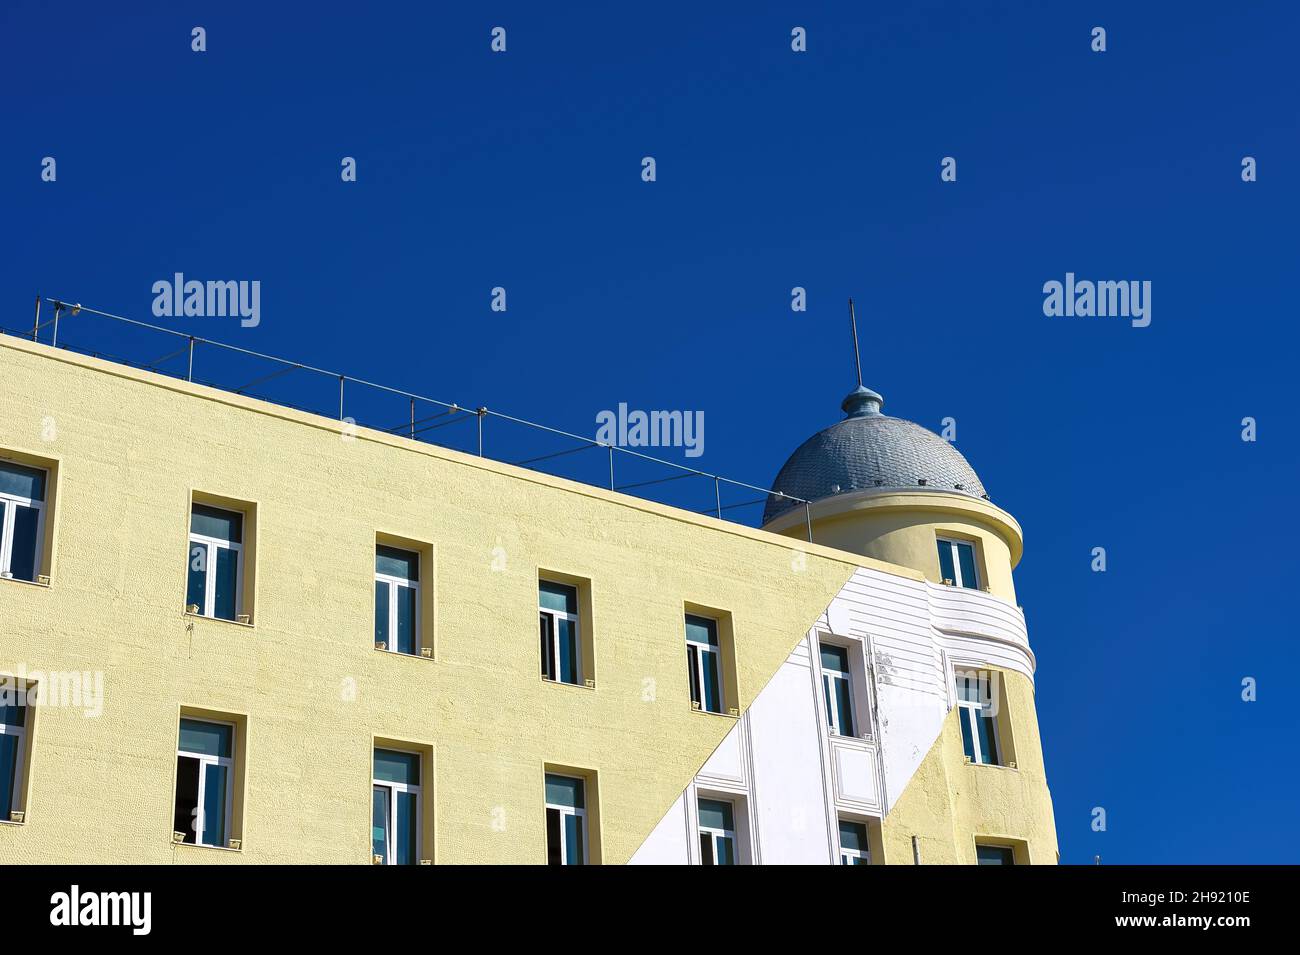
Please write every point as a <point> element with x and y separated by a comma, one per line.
<point>133,447</point>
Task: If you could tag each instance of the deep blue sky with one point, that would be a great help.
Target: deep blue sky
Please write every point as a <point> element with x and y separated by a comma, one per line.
<point>774,170</point>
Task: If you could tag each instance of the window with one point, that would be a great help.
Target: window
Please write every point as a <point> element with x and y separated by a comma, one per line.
<point>855,848</point>
<point>395,808</point>
<point>957,563</point>
<point>717,832</point>
<point>566,820</point>
<point>978,716</point>
<point>13,746</point>
<point>397,599</point>
<point>22,520</point>
<point>994,855</point>
<point>558,616</point>
<point>837,683</point>
<point>704,663</point>
<point>205,769</point>
<point>216,579</point>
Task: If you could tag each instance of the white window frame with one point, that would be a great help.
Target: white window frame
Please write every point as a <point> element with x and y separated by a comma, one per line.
<point>394,582</point>
<point>210,564</point>
<point>13,501</point>
<point>714,833</point>
<point>205,760</point>
<point>831,691</point>
<point>702,648</point>
<point>390,810</point>
<point>854,853</point>
<point>971,711</point>
<point>6,729</point>
<point>556,616</point>
<point>582,822</point>
<point>958,581</point>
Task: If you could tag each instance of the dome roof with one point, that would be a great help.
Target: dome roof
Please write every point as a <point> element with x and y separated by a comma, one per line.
<point>870,451</point>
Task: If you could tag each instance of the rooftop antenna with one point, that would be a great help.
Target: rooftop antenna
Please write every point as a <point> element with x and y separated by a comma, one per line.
<point>857,354</point>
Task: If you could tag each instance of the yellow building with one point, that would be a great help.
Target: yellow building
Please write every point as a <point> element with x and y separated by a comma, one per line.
<point>234,632</point>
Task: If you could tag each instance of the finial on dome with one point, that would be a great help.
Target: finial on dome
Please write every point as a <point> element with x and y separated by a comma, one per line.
<point>862,401</point>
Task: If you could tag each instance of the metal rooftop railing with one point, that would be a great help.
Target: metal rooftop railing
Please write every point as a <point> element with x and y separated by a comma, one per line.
<point>508,439</point>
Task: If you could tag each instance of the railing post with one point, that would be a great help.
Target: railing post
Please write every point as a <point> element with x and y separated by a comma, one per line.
<point>412,419</point>
<point>189,371</point>
<point>717,493</point>
<point>54,342</point>
<point>481,412</point>
<point>611,466</point>
<point>341,380</point>
<point>807,516</point>
<point>36,324</point>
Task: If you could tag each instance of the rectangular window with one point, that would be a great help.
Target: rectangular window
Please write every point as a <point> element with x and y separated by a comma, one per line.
<point>855,849</point>
<point>978,716</point>
<point>717,832</point>
<point>205,771</point>
<point>216,570</point>
<point>957,563</point>
<point>397,599</point>
<point>395,808</point>
<point>13,746</point>
<point>22,520</point>
<point>558,619</point>
<point>994,855</point>
<point>837,684</point>
<point>566,820</point>
<point>704,663</point>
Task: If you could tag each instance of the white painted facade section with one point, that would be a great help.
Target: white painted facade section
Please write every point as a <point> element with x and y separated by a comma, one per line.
<point>789,777</point>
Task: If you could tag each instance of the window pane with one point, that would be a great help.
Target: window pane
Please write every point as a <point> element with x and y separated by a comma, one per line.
<point>196,586</point>
<point>382,594</point>
<point>573,839</point>
<point>22,481</point>
<point>845,708</point>
<point>379,822</point>
<point>726,850</point>
<point>835,658</point>
<point>224,605</point>
<point>14,714</point>
<point>568,651</point>
<point>966,557</point>
<point>406,620</point>
<point>215,522</point>
<point>946,571</point>
<point>706,848</point>
<point>693,673</point>
<point>397,563</point>
<point>702,630</point>
<point>995,855</point>
<point>967,743</point>
<point>829,692</point>
<point>548,645</point>
<point>395,767</point>
<point>712,689</point>
<point>565,791</point>
<point>214,805</point>
<point>407,851</point>
<point>988,741</point>
<point>9,745</point>
<point>715,814</point>
<point>853,835</point>
<point>559,597</point>
<point>204,738</point>
<point>187,797</point>
<point>22,558</point>
<point>554,852</point>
